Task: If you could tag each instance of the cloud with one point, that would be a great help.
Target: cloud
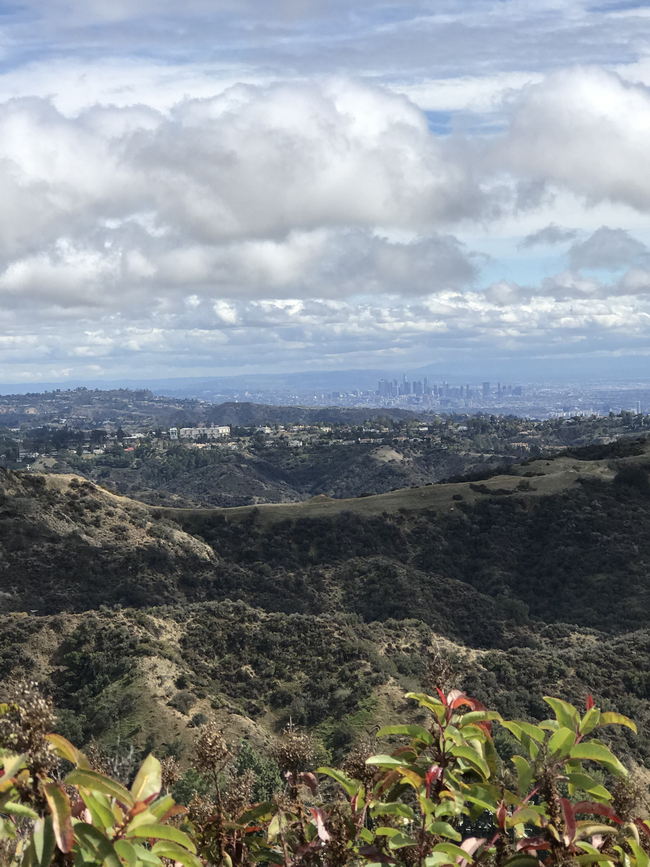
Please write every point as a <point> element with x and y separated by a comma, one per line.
<point>607,248</point>
<point>570,285</point>
<point>251,161</point>
<point>586,130</point>
<point>128,271</point>
<point>309,190</point>
<point>547,236</point>
<point>410,44</point>
<point>312,334</point>
<point>181,186</point>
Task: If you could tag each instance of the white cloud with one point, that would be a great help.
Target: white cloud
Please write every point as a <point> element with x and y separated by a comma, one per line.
<point>584,129</point>
<point>179,185</point>
<point>252,161</point>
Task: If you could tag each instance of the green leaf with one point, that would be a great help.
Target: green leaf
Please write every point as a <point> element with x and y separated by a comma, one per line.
<point>520,728</point>
<point>452,850</point>
<point>16,809</point>
<point>641,856</point>
<point>491,756</point>
<point>587,828</point>
<point>100,810</point>
<point>396,838</point>
<point>412,777</point>
<point>609,718</point>
<point>413,731</point>
<point>400,840</point>
<point>432,704</point>
<point>127,852</point>
<point>96,782</point>
<point>475,716</point>
<point>591,854</point>
<point>590,858</point>
<point>386,762</point>
<point>473,758</point>
<point>565,713</point>
<point>158,831</point>
<point>273,828</point>
<point>65,750</point>
<point>43,843</point>
<point>394,808</point>
<point>587,784</point>
<point>166,849</point>
<point>11,766</point>
<point>528,814</point>
<point>594,751</point>
<point>92,841</point>
<point>146,817</point>
<point>434,860</point>
<point>480,802</point>
<point>561,742</point>
<point>59,805</point>
<point>161,806</point>
<point>148,779</point>
<point>524,773</point>
<point>444,829</point>
<point>349,786</point>
<point>264,854</point>
<point>589,721</point>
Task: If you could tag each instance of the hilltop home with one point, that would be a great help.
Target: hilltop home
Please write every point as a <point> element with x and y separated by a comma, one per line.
<point>216,431</point>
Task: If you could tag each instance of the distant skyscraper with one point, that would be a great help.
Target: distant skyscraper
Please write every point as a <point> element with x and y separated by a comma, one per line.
<point>384,388</point>
<point>486,389</point>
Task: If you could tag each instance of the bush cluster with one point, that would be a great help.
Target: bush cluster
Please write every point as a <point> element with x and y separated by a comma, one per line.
<point>461,786</point>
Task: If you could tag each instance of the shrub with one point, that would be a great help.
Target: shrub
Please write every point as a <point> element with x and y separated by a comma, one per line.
<point>183,700</point>
<point>451,791</point>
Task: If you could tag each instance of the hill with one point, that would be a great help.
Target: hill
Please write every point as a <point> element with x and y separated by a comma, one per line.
<point>68,545</point>
<point>218,477</point>
<point>142,621</point>
<point>236,413</point>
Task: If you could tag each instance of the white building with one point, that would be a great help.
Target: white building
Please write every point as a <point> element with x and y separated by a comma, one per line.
<point>213,432</point>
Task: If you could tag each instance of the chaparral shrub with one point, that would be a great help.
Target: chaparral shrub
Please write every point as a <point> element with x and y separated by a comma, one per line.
<point>461,787</point>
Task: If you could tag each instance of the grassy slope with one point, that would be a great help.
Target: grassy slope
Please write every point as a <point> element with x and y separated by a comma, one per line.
<point>547,477</point>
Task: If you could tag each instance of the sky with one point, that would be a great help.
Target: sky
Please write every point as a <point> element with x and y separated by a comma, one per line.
<point>229,186</point>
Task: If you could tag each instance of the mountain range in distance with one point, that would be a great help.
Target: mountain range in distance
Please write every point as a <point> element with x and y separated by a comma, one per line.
<point>615,372</point>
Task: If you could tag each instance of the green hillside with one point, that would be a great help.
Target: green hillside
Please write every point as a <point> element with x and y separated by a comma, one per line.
<point>142,622</point>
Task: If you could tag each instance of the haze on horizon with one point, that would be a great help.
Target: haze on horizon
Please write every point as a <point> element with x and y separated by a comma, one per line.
<point>239,186</point>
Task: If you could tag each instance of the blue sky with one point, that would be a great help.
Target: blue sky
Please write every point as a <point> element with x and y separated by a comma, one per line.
<point>220,187</point>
